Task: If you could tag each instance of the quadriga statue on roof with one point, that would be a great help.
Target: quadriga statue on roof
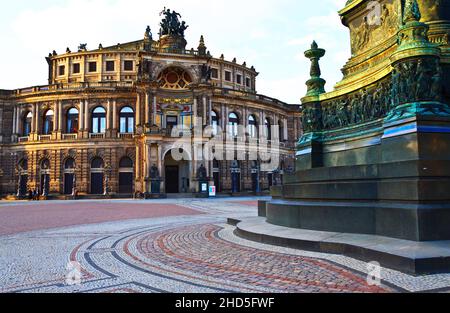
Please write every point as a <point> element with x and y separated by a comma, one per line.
<point>171,24</point>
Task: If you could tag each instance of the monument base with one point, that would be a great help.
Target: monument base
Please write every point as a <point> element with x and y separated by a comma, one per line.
<point>411,257</point>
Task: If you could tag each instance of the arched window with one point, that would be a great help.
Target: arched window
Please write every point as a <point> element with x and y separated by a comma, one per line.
<point>126,120</point>
<point>126,162</point>
<point>47,126</point>
<point>233,123</point>
<point>27,120</point>
<point>23,166</point>
<point>99,120</point>
<point>281,130</point>
<point>45,165</point>
<point>268,129</point>
<point>252,127</point>
<point>97,163</point>
<point>72,121</point>
<point>215,122</point>
<point>69,164</point>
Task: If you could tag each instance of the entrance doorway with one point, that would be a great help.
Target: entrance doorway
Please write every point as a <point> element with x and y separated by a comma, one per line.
<point>172,179</point>
<point>69,173</point>
<point>177,173</point>
<point>235,177</point>
<point>97,166</point>
<point>126,176</point>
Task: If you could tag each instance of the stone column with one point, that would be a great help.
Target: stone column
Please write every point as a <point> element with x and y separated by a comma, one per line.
<point>138,169</point>
<point>210,110</point>
<point>86,118</point>
<point>154,110</point>
<point>195,111</point>
<point>14,119</point>
<point>138,110</point>
<point>81,116</point>
<point>147,108</point>
<point>37,121</point>
<point>115,129</point>
<point>61,116</point>
<point>161,172</point>
<point>205,113</point>
<point>108,119</point>
<point>33,118</point>
<point>1,123</point>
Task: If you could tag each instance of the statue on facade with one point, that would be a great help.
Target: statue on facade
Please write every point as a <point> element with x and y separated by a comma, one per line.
<point>202,173</point>
<point>82,47</point>
<point>205,71</point>
<point>155,180</point>
<point>144,69</point>
<point>148,33</point>
<point>154,172</point>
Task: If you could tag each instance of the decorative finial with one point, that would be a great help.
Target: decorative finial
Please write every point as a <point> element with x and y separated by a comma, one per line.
<point>222,57</point>
<point>68,50</point>
<point>234,60</point>
<point>202,46</point>
<point>54,53</point>
<point>316,85</point>
<point>411,12</point>
<point>244,64</point>
<point>100,47</point>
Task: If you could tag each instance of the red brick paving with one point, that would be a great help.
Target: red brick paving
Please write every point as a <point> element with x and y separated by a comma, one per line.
<point>198,249</point>
<point>44,215</point>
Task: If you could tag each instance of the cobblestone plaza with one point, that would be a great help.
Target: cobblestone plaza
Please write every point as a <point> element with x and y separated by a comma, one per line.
<point>168,246</point>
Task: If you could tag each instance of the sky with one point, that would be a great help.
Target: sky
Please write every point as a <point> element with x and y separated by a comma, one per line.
<point>271,35</point>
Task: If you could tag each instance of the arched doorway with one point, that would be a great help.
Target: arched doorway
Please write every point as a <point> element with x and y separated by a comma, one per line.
<point>69,173</point>
<point>45,176</point>
<point>126,171</point>
<point>177,173</point>
<point>97,173</point>
<point>23,177</point>
<point>235,177</point>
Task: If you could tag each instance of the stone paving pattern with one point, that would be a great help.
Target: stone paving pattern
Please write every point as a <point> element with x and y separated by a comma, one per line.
<point>168,246</point>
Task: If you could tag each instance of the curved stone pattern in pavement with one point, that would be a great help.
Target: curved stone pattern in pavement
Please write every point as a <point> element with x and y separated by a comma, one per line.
<point>199,250</point>
<point>173,246</point>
